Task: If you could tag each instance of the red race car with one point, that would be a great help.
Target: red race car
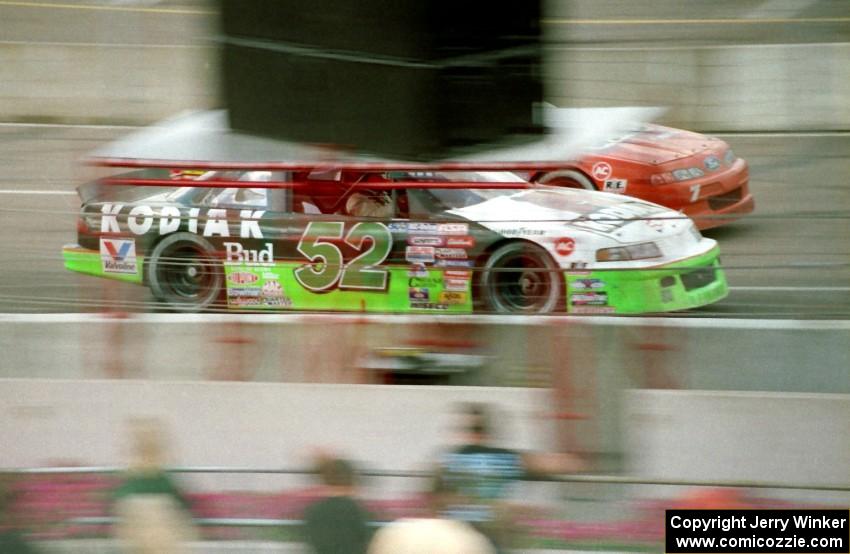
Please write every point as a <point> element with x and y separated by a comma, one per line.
<point>693,173</point>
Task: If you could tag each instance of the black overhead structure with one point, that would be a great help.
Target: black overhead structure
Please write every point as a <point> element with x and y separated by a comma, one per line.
<point>410,79</point>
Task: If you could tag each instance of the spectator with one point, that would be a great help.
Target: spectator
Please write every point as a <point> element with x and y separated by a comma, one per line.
<point>338,523</point>
<point>429,536</point>
<point>152,514</point>
<point>478,476</point>
<point>11,540</point>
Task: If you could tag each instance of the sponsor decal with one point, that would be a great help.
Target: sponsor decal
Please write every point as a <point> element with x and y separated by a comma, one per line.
<point>425,241</point>
<point>397,227</point>
<point>244,296</point>
<point>601,171</point>
<point>455,263</point>
<point>711,163</point>
<point>453,228</point>
<point>118,256</point>
<point>185,174</point>
<point>140,219</point>
<point>592,310</point>
<point>611,218</point>
<point>451,297</point>
<point>565,246</point>
<point>666,294</point>
<point>657,224</point>
<point>417,270</point>
<point>456,284</point>
<point>578,265</point>
<point>457,274</point>
<point>418,295</point>
<point>272,294</point>
<point>589,299</point>
<point>521,232</point>
<point>460,242</point>
<point>430,306</point>
<point>244,292</point>
<point>415,228</point>
<point>418,282</point>
<point>615,185</point>
<point>451,253</point>
<point>235,253</point>
<point>587,284</point>
<point>419,254</point>
<point>243,278</point>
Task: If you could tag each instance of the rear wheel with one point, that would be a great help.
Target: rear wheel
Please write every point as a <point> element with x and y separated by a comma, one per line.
<point>520,277</point>
<point>567,178</point>
<point>184,273</point>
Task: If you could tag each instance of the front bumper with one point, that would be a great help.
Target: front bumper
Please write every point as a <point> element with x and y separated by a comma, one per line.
<point>690,283</point>
<point>713,200</point>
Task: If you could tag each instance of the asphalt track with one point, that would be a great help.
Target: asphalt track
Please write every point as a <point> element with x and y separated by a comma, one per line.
<point>789,259</point>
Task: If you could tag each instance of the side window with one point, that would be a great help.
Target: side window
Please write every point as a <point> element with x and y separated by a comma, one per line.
<point>239,198</point>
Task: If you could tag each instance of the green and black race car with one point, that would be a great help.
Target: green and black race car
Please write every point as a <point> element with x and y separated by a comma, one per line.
<point>256,238</point>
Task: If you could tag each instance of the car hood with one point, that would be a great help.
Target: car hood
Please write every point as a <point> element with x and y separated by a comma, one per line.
<point>656,144</point>
<point>543,210</point>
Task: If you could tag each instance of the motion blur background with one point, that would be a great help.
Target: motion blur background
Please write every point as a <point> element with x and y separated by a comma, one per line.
<point>752,390</point>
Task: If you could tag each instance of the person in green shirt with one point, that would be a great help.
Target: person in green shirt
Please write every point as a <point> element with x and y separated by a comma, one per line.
<point>12,541</point>
<point>337,523</point>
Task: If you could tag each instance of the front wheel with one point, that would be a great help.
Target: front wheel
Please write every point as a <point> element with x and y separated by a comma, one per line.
<point>184,273</point>
<point>520,277</point>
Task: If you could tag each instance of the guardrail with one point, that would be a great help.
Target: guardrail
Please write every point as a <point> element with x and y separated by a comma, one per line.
<point>595,478</point>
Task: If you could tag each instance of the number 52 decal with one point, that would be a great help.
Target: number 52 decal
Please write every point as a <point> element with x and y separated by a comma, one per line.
<point>327,267</point>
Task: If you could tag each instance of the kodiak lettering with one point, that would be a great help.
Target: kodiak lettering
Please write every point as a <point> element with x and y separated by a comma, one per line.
<point>141,219</point>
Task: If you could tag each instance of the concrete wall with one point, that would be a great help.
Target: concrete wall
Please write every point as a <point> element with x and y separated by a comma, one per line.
<point>101,83</point>
<point>259,425</point>
<point>713,354</point>
<point>584,364</point>
<point>741,437</point>
<point>750,87</point>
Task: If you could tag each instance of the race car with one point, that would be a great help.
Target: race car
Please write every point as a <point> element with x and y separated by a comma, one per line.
<point>444,241</point>
<point>696,174</point>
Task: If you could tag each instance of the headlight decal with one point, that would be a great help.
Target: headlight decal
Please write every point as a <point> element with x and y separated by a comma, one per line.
<point>641,251</point>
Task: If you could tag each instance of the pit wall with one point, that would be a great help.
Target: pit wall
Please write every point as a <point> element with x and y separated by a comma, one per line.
<point>575,369</point>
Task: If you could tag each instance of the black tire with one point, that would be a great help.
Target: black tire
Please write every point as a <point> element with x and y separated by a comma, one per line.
<point>520,277</point>
<point>567,178</point>
<point>184,273</point>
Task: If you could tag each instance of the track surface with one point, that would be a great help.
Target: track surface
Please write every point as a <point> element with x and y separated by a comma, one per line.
<point>791,258</point>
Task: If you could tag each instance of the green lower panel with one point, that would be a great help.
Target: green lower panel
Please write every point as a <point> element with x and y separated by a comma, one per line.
<point>90,262</point>
<point>275,287</point>
<point>659,289</point>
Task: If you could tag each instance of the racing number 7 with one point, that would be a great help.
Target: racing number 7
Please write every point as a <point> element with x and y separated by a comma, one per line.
<point>327,266</point>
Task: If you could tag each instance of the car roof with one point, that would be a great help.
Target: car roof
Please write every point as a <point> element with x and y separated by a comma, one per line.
<point>204,140</point>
